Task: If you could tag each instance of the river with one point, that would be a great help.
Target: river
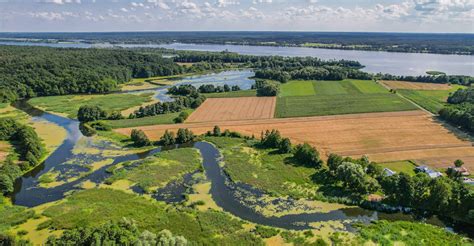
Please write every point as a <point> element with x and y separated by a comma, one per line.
<point>374,61</point>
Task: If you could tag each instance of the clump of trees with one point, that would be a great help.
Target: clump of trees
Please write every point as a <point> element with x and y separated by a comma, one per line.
<point>210,88</point>
<point>184,135</point>
<point>124,232</point>
<point>88,113</point>
<point>139,138</point>
<point>181,117</point>
<point>266,88</point>
<point>29,147</point>
<point>307,155</point>
<point>460,112</point>
<point>441,79</point>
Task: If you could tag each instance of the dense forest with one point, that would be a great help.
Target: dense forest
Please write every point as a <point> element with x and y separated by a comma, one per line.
<point>460,111</point>
<point>394,42</point>
<point>38,71</point>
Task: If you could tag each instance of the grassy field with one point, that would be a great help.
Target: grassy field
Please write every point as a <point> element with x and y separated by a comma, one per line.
<point>13,215</point>
<point>297,88</point>
<point>273,173</point>
<point>241,93</point>
<point>146,121</point>
<point>431,100</point>
<point>336,97</point>
<point>68,105</point>
<point>97,206</point>
<point>400,166</point>
<point>156,171</point>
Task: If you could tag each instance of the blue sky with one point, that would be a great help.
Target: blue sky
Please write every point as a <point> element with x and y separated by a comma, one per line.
<point>197,15</point>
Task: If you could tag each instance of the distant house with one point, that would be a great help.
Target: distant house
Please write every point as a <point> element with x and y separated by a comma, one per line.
<point>462,170</point>
<point>388,172</point>
<point>432,173</point>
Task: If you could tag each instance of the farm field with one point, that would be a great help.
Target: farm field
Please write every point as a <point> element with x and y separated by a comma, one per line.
<point>400,166</point>
<point>431,100</point>
<point>384,137</point>
<point>336,97</point>
<point>225,109</point>
<point>241,93</point>
<point>69,105</point>
<point>416,85</point>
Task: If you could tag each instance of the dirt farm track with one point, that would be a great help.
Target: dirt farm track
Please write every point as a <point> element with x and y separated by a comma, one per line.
<point>409,135</point>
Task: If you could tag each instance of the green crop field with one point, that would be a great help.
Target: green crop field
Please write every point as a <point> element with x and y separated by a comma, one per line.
<point>431,100</point>
<point>340,97</point>
<point>145,121</point>
<point>242,93</point>
<point>69,105</point>
<point>297,88</point>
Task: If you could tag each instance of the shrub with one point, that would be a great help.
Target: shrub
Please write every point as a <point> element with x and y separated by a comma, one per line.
<point>168,138</point>
<point>307,155</point>
<point>88,113</point>
<point>139,138</point>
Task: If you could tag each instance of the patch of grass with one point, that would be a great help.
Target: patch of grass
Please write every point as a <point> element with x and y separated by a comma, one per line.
<point>156,171</point>
<point>3,105</point>
<point>297,88</point>
<point>97,206</point>
<point>70,104</point>
<point>265,169</point>
<point>431,100</point>
<point>13,215</point>
<point>333,105</point>
<point>401,166</point>
<point>146,121</point>
<point>241,93</point>
<point>340,97</point>
<point>408,233</point>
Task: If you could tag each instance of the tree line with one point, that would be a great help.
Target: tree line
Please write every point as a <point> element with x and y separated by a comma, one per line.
<point>29,148</point>
<point>460,109</point>
<point>441,78</point>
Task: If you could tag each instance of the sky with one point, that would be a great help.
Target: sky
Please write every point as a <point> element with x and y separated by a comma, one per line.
<point>237,15</point>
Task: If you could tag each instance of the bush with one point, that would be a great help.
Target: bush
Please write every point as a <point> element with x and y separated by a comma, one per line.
<point>268,89</point>
<point>285,146</point>
<point>168,138</point>
<point>307,155</point>
<point>139,138</point>
<point>266,232</point>
<point>88,113</point>
<point>184,136</point>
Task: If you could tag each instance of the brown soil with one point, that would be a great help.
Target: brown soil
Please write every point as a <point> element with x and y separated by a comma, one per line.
<point>392,136</point>
<point>229,109</point>
<point>415,85</point>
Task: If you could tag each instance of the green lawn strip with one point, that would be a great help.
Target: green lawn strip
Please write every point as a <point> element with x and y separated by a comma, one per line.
<point>407,167</point>
<point>337,104</point>
<point>158,170</point>
<point>146,121</point>
<point>241,93</point>
<point>98,206</point>
<point>3,105</point>
<point>70,104</point>
<point>274,173</point>
<point>408,233</point>
<point>297,88</point>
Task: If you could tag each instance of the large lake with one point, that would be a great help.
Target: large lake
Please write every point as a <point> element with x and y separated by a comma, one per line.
<point>374,61</point>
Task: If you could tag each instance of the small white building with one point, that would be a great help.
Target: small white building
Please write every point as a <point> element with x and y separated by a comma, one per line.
<point>432,173</point>
<point>388,172</point>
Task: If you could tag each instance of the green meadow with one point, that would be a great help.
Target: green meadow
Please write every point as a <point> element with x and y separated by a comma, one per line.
<point>69,105</point>
<point>431,100</point>
<point>146,121</point>
<point>407,167</point>
<point>315,98</point>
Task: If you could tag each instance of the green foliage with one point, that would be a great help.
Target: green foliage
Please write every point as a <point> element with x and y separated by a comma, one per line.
<point>285,146</point>
<point>181,117</point>
<point>240,93</point>
<point>146,121</point>
<point>124,232</point>
<point>13,215</point>
<point>94,207</point>
<point>168,138</point>
<point>184,135</point>
<point>139,138</point>
<point>177,105</point>
<point>307,155</point>
<point>267,88</point>
<point>39,71</point>
<point>88,113</point>
<point>354,178</point>
<point>266,232</point>
<point>462,96</point>
<point>409,233</point>
<point>271,139</point>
